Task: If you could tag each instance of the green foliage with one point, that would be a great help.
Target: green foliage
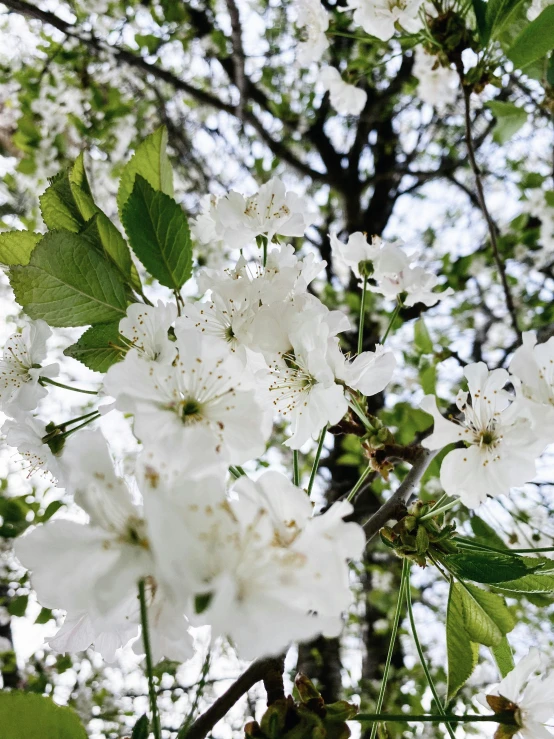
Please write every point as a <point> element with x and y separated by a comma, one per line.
<point>151,162</point>
<point>503,656</point>
<point>488,567</point>
<point>25,715</point>
<point>141,729</point>
<point>58,206</point>
<point>16,247</point>
<point>497,13</point>
<point>535,41</point>
<point>462,653</point>
<point>486,617</point>
<point>422,339</point>
<point>159,234</point>
<point>98,348</point>
<point>509,119</point>
<point>104,236</point>
<point>67,283</point>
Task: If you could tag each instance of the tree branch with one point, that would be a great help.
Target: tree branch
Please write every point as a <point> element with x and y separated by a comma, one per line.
<point>400,496</point>
<point>137,62</point>
<point>257,671</point>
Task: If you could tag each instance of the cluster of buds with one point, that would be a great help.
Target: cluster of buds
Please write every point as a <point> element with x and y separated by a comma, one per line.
<point>307,717</point>
<point>417,537</point>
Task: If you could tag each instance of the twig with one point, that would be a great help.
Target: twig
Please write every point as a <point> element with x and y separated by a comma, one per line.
<point>400,496</point>
<point>257,671</point>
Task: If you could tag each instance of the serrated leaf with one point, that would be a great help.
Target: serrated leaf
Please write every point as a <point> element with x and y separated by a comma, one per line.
<point>67,283</point>
<point>486,616</point>
<point>486,567</point>
<point>97,347</point>
<point>80,189</point>
<point>534,583</point>
<point>103,235</point>
<point>509,119</point>
<point>422,339</point>
<point>26,715</point>
<point>497,14</point>
<point>141,729</point>
<point>461,651</point>
<point>159,234</point>
<point>151,162</point>
<point>535,41</point>
<point>503,657</point>
<point>16,247</point>
<point>58,206</point>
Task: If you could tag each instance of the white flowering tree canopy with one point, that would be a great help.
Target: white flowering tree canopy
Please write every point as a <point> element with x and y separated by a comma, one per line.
<point>316,389</point>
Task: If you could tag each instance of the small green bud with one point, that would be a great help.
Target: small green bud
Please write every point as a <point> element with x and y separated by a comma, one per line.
<point>366,268</point>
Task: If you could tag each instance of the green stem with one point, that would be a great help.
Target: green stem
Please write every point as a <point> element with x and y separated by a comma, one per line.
<point>48,381</point>
<point>317,457</point>
<point>65,434</point>
<point>295,468</point>
<point>149,665</point>
<point>392,320</point>
<point>362,318</point>
<point>358,485</point>
<point>63,425</point>
<point>433,717</point>
<point>404,584</point>
<point>424,661</point>
<point>235,472</point>
<point>437,511</point>
<point>353,405</point>
<point>439,502</point>
<point>463,541</point>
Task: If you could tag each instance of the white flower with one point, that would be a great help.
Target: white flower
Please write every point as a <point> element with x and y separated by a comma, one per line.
<point>356,251</point>
<point>26,434</point>
<point>271,211</point>
<point>501,446</point>
<point>530,693</point>
<point>312,16</point>
<point>201,409</point>
<point>204,231</point>
<point>537,6</point>
<point>346,99</point>
<point>437,85</point>
<point>20,367</point>
<point>533,365</point>
<point>93,570</point>
<point>379,17</point>
<point>80,630</point>
<point>369,372</point>
<point>146,327</point>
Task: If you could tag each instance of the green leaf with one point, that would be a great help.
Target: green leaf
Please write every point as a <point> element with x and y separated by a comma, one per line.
<point>159,234</point>
<point>509,119</point>
<point>480,10</point>
<point>422,339</point>
<point>80,189</point>
<point>497,14</point>
<point>486,567</point>
<point>67,283</point>
<point>18,606</point>
<point>96,348</point>
<point>535,41</point>
<point>486,616</point>
<point>16,247</point>
<point>141,729</point>
<point>485,534</point>
<point>503,657</point>
<point>58,206</point>
<point>550,71</point>
<point>26,715</point>
<point>461,651</point>
<point>151,162</point>
<point>534,583</point>
<point>103,235</point>
<point>44,616</point>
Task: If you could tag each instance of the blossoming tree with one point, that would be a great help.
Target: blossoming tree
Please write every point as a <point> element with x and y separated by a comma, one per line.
<point>307,397</point>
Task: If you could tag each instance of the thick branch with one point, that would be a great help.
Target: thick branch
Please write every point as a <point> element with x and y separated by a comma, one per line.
<point>257,671</point>
<point>137,62</point>
<point>400,496</point>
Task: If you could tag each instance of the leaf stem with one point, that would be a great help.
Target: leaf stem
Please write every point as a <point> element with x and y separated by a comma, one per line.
<point>358,485</point>
<point>436,511</point>
<point>395,312</point>
<point>424,661</point>
<point>48,381</point>
<point>432,717</point>
<point>295,468</point>
<point>404,583</point>
<point>362,318</point>
<point>149,665</point>
<point>317,457</point>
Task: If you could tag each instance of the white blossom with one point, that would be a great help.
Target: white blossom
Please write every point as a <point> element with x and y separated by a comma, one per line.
<point>201,408</point>
<point>146,329</point>
<point>26,434</point>
<point>346,99</point>
<point>379,17</point>
<point>437,85</point>
<point>20,368</point>
<point>533,366</point>
<point>314,19</point>
<point>499,445</point>
<point>531,695</point>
